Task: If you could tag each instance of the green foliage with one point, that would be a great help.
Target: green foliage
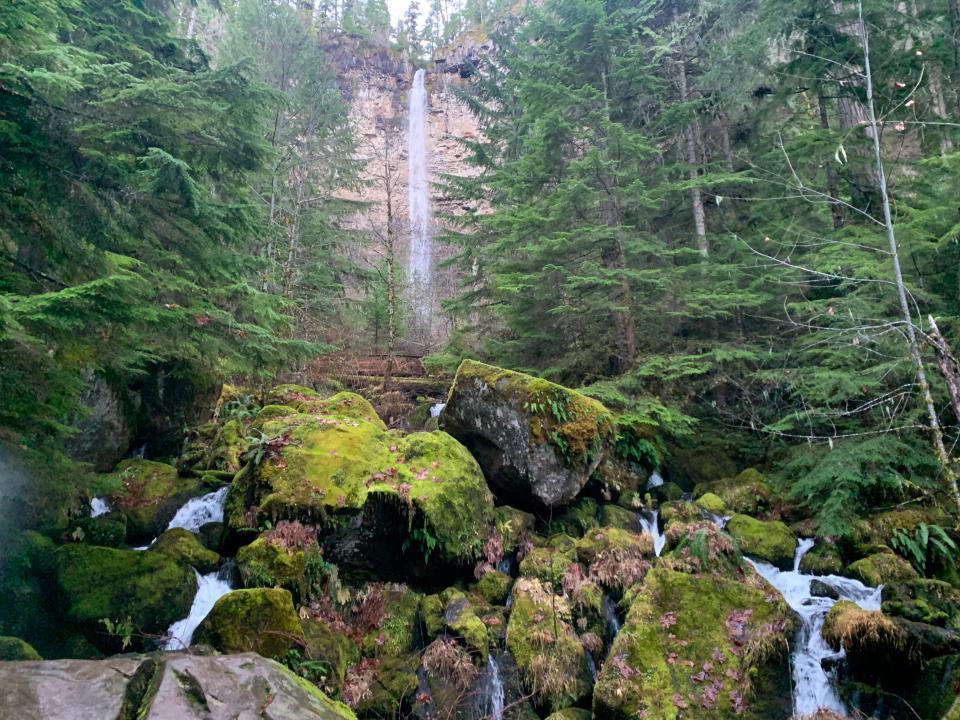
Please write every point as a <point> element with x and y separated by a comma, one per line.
<point>929,545</point>
<point>120,629</point>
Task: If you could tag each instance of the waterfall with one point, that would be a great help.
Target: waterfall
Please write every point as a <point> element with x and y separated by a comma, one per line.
<point>609,608</point>
<point>435,409</point>
<point>655,481</point>
<point>210,588</point>
<point>812,687</point>
<point>492,699</point>
<point>98,507</point>
<point>200,510</point>
<point>418,187</point>
<point>649,524</point>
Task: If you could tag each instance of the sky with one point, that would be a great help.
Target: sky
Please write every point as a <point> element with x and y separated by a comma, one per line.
<point>398,8</point>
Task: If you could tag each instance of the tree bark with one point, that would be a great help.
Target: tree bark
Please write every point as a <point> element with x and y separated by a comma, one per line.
<point>934,422</point>
<point>949,367</point>
<point>690,140</point>
<point>833,188</point>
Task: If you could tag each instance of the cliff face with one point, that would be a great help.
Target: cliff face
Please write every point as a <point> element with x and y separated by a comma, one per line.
<point>376,84</point>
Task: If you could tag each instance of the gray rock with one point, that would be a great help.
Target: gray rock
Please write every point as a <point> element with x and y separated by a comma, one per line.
<point>241,687</point>
<point>106,429</point>
<point>818,588</point>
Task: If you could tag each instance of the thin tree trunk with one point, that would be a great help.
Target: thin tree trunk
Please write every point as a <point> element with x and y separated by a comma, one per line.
<point>696,196</point>
<point>833,188</point>
<point>948,365</point>
<point>933,420</point>
<point>725,143</point>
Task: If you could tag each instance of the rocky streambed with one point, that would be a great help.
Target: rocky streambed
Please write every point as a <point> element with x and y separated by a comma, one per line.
<point>299,559</point>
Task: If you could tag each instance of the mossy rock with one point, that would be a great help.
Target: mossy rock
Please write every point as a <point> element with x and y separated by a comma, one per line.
<point>184,547</point>
<point>880,569</point>
<point>228,447</point>
<point>679,511</point>
<point>877,648</point>
<point>538,442</point>
<point>13,648</point>
<point>747,494</point>
<point>149,494</point>
<point>393,690</point>
<point>772,542</point>
<point>933,602</point>
<point>95,583</point>
<point>394,637</point>
<point>544,644</point>
<point>577,519</point>
<point>667,492</point>
<point>701,547</point>
<point>880,528</point>
<point>571,714</point>
<point>597,541</point>
<point>462,620</point>
<point>712,504</point>
<point>822,559</point>
<point>332,464</point>
<point>687,645</point>
<point>493,587</point>
<point>431,613</point>
<point>323,643</point>
<point>546,564</point>
<point>264,564</point>
<point>210,535</point>
<point>514,526</point>
<point>108,530</point>
<point>261,620</point>
<point>307,401</point>
<point>614,516</point>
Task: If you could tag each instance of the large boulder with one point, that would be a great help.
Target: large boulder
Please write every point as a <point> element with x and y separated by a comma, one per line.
<point>149,494</point>
<point>161,687</point>
<point>880,569</point>
<point>107,425</point>
<point>13,648</point>
<point>700,647</point>
<point>538,443</point>
<point>184,547</point>
<point>260,619</point>
<point>398,501</point>
<point>772,542</point>
<point>150,590</point>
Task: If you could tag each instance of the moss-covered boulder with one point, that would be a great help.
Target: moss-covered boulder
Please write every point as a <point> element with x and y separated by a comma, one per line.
<point>423,491</point>
<point>13,648</point>
<point>712,503</point>
<point>617,517</point>
<point>493,587</point>
<point>933,602</point>
<point>701,547</point>
<point>876,647</point>
<point>538,443</point>
<point>822,559</point>
<point>149,494</point>
<point>462,621</point>
<point>326,644</point>
<point>109,530</point>
<point>261,620</point>
<point>698,647</point>
<point>880,569</point>
<point>382,688</point>
<point>514,526</point>
<point>878,530</point>
<point>748,493</point>
<point>541,637</point>
<point>263,563</point>
<point>395,629</point>
<point>772,542</point>
<point>577,519</point>
<point>547,564</point>
<point>184,547</point>
<point>150,589</point>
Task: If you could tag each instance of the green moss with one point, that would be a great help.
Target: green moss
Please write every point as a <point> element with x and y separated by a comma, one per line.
<point>263,564</point>
<point>597,541</point>
<point>184,547</point>
<point>577,519</point>
<point>617,517</point>
<point>571,714</point>
<point>878,530</point>
<point>227,449</point>
<point>431,612</point>
<point>493,587</point>
<point>12,648</point>
<point>578,426</point>
<point>543,643</point>
<point>928,601</point>
<point>822,559</point>
<point>96,583</point>
<point>290,394</point>
<point>271,412</point>
<point>748,493</point>
<point>691,646</point>
<point>259,620</point>
<point>147,492</point>
<point>393,690</point>
<point>881,569</point>
<point>395,634</point>
<point>772,542</point>
<point>679,511</point>
<point>546,564</point>
<point>712,503</point>
<point>105,530</point>
<point>462,620</point>
<point>325,644</point>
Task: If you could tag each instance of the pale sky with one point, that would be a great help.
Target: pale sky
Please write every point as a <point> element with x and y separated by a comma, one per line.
<point>398,8</point>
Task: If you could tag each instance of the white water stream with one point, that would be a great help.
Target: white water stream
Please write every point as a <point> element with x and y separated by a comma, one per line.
<point>492,705</point>
<point>199,511</point>
<point>812,686</point>
<point>98,507</point>
<point>649,524</point>
<point>210,588</point>
<point>418,192</point>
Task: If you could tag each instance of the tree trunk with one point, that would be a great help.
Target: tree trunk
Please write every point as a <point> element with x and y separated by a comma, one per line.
<point>696,196</point>
<point>725,143</point>
<point>948,365</point>
<point>934,422</point>
<point>833,189</point>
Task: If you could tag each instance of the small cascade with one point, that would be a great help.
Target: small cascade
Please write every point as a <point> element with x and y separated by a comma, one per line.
<point>210,588</point>
<point>719,520</point>
<point>435,409</point>
<point>418,195</point>
<point>199,511</point>
<point>591,665</point>
<point>98,507</point>
<point>655,481</point>
<point>812,686</point>
<point>649,524</point>
<point>609,608</point>
<point>491,700</point>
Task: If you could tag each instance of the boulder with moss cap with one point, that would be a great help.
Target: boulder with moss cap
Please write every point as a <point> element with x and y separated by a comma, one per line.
<point>261,619</point>
<point>537,442</point>
<point>183,546</point>
<point>771,542</point>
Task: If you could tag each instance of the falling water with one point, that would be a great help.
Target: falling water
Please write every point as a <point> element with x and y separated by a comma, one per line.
<point>655,481</point>
<point>435,409</point>
<point>419,205</point>
<point>648,523</point>
<point>200,510</point>
<point>492,699</point>
<point>812,689</point>
<point>98,507</point>
<point>210,588</point>
<point>609,608</point>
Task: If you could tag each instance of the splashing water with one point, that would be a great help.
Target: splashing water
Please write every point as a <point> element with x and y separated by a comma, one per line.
<point>419,204</point>
<point>200,510</point>
<point>655,481</point>
<point>648,523</point>
<point>210,588</point>
<point>812,687</point>
<point>435,409</point>
<point>492,700</point>
<point>98,507</point>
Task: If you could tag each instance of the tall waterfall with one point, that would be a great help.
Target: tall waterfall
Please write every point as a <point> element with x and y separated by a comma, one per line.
<point>419,268</point>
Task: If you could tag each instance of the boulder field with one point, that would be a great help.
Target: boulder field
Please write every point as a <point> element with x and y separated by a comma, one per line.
<point>503,566</point>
